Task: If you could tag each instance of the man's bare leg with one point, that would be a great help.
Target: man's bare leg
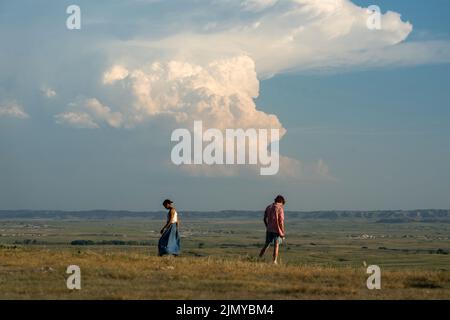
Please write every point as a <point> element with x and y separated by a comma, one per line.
<point>275,252</point>
<point>263,250</point>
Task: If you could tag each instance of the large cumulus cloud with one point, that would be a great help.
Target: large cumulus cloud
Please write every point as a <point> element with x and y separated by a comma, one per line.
<point>221,93</point>
<point>208,66</point>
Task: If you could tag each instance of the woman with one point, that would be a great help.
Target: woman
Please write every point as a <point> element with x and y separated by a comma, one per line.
<point>169,243</point>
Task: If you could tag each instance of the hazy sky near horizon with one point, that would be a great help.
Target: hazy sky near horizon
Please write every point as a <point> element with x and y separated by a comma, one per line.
<point>86,115</point>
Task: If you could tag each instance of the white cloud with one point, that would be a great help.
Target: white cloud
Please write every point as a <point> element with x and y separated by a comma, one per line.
<point>293,169</point>
<point>116,73</point>
<point>257,5</point>
<point>48,92</point>
<point>76,120</point>
<point>212,75</point>
<point>13,109</point>
<point>322,170</point>
<point>103,113</point>
<point>88,113</point>
<point>290,170</point>
<point>208,70</point>
<point>288,35</point>
<point>220,93</point>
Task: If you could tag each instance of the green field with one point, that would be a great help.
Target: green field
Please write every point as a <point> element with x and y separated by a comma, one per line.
<point>321,259</point>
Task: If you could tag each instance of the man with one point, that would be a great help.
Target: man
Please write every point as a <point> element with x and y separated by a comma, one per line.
<point>274,221</point>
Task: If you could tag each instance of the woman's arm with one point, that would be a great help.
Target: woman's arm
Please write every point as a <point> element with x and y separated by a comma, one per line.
<point>169,218</point>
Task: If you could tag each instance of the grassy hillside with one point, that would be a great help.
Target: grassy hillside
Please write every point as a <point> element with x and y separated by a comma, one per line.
<point>134,273</point>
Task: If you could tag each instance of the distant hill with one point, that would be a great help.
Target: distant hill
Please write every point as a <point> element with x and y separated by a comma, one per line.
<point>384,216</point>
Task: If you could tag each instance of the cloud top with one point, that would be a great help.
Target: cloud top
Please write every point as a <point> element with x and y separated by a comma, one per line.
<point>283,36</point>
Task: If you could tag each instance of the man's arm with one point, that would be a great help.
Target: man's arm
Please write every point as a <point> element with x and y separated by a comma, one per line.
<point>265,218</point>
<point>281,222</point>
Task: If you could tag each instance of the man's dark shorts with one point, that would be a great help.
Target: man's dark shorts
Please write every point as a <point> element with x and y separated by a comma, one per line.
<point>272,238</point>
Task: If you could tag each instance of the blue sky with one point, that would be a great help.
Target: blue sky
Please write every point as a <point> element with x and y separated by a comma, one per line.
<point>374,113</point>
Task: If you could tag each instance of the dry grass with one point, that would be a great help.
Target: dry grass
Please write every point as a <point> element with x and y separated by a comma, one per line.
<point>39,273</point>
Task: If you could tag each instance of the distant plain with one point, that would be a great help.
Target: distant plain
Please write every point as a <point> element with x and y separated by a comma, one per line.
<point>325,256</point>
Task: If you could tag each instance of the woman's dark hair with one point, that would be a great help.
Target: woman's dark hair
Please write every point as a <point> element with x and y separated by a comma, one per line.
<point>280,199</point>
<point>166,202</point>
